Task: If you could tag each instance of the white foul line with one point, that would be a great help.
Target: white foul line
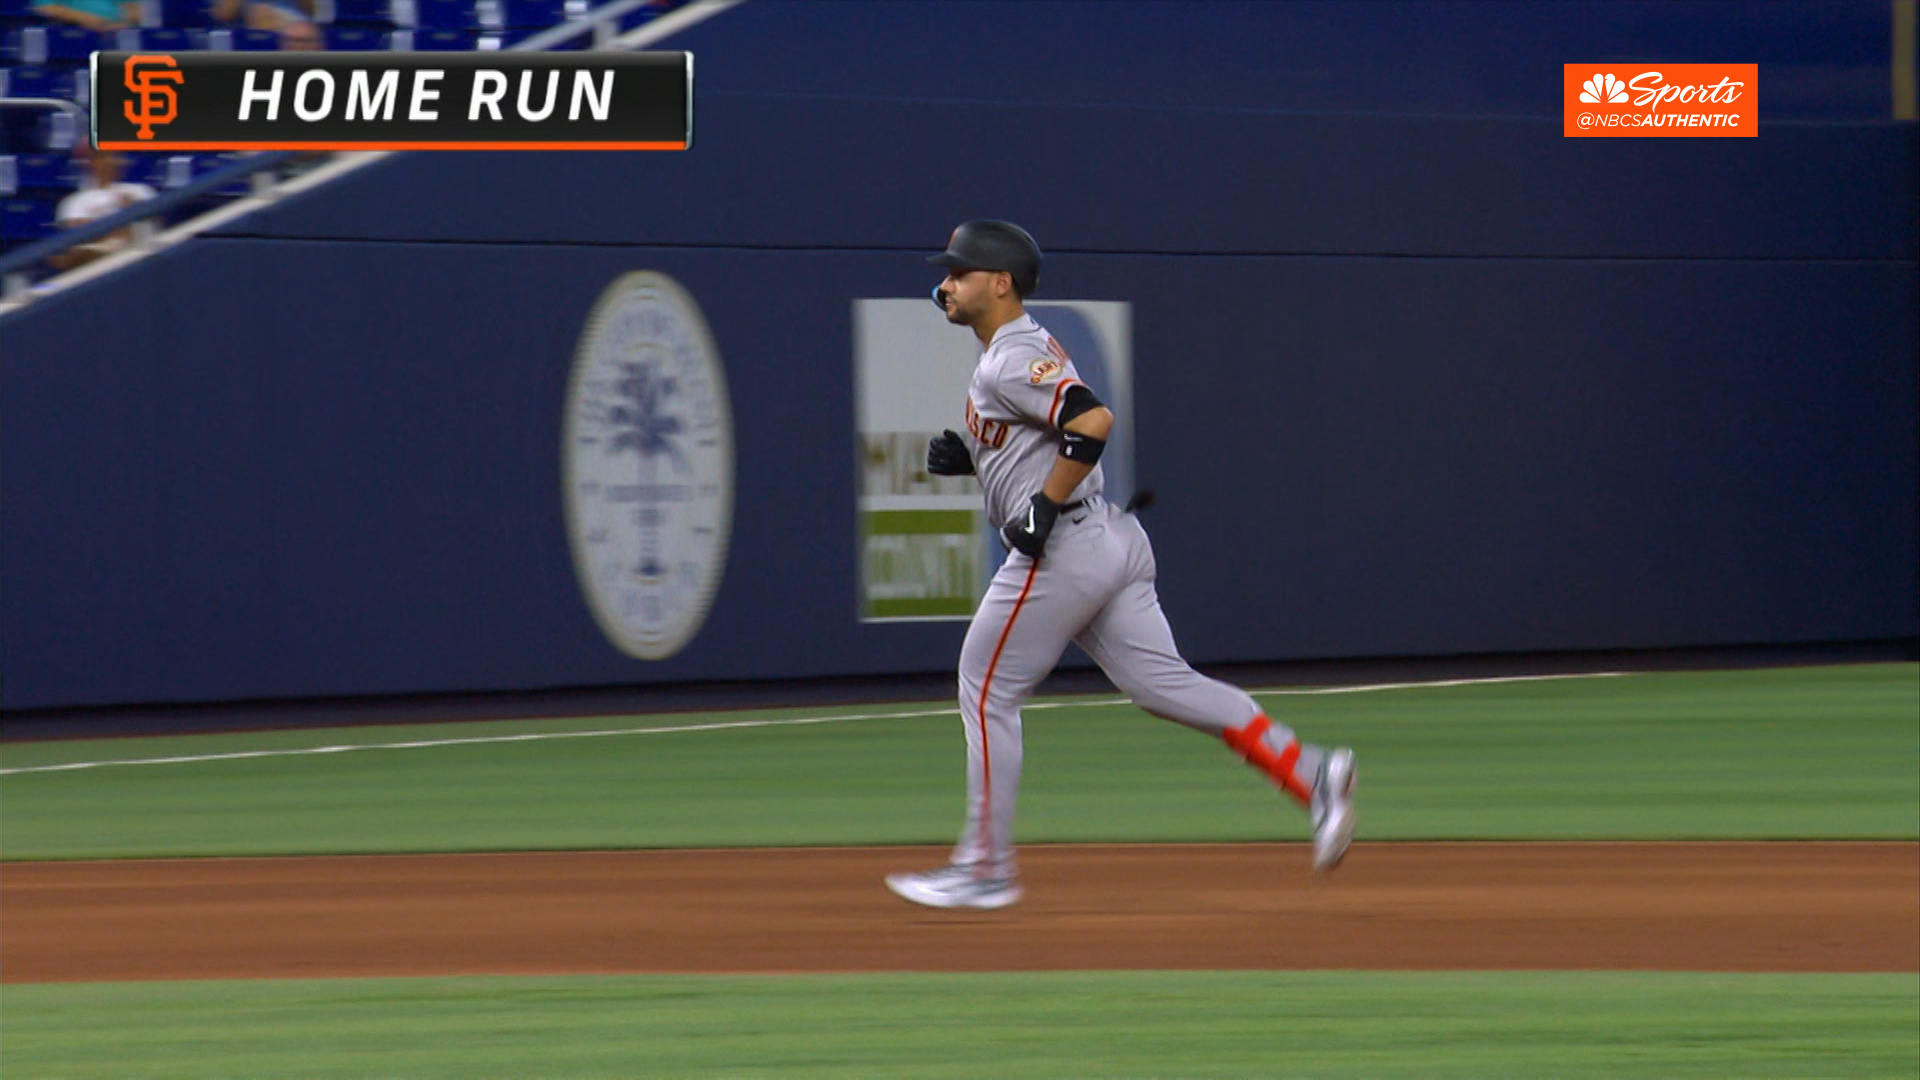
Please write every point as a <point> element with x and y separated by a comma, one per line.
<point>478,740</point>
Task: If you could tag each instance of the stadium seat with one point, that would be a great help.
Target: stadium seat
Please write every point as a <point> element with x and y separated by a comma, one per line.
<point>445,14</point>
<point>165,39</point>
<point>25,45</point>
<point>30,129</point>
<point>25,220</point>
<point>77,84</point>
<point>37,172</point>
<point>249,40</point>
<point>73,43</point>
<point>22,130</point>
<point>442,40</point>
<point>10,38</point>
<point>538,14</point>
<point>148,169</point>
<point>186,14</point>
<point>355,39</point>
<point>367,13</point>
<point>165,172</point>
<point>60,130</point>
<point>36,82</point>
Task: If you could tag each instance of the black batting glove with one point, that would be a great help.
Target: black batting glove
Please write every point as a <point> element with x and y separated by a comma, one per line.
<point>1029,534</point>
<point>947,455</point>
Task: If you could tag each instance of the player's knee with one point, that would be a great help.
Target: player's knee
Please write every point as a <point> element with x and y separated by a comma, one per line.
<point>1146,695</point>
<point>1178,696</point>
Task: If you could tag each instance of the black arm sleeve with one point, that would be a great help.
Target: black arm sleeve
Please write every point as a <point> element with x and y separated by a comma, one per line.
<point>1079,400</point>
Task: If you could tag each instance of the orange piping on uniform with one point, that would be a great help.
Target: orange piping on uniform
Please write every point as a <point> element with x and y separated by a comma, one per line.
<point>986,747</point>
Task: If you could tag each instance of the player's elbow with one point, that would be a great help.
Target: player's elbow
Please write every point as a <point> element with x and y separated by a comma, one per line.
<point>1096,422</point>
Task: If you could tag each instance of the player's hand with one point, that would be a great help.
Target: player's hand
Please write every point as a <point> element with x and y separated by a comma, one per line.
<point>947,455</point>
<point>1028,535</point>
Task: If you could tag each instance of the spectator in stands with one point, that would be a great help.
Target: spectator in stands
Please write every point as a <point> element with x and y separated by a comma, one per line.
<point>101,193</point>
<point>291,19</point>
<point>100,15</point>
<point>274,15</point>
<point>301,36</point>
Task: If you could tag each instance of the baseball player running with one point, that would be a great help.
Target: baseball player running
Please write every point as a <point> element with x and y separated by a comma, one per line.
<point>1078,569</point>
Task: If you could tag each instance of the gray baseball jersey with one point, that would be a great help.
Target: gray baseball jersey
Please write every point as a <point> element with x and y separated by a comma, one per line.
<point>1093,585</point>
<point>1012,409</point>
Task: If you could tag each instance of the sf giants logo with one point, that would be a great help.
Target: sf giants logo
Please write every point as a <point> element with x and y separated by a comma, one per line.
<point>147,77</point>
<point>991,432</point>
<point>1046,367</point>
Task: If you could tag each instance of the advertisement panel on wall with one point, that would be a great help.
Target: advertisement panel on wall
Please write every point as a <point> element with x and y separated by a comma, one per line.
<point>927,550</point>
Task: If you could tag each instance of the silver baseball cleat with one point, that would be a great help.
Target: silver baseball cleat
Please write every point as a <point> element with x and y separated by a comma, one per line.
<point>1332,810</point>
<point>956,887</point>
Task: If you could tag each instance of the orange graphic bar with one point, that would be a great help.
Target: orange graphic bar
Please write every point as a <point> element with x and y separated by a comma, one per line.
<point>169,146</point>
<point>1655,100</point>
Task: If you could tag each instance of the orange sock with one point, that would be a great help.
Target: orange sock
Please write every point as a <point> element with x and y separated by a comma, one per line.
<point>1251,743</point>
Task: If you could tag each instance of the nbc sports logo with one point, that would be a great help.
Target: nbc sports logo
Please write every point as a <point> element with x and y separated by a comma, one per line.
<point>1603,89</point>
<point>1671,99</point>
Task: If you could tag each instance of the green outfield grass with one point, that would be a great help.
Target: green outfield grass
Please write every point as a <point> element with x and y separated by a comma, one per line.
<point>1080,1024</point>
<point>1789,753</point>
<point>1800,753</point>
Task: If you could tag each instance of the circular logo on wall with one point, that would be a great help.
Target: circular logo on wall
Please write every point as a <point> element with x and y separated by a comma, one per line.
<point>648,465</point>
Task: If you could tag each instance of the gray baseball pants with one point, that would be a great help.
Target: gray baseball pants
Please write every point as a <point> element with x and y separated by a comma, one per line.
<point>1094,587</point>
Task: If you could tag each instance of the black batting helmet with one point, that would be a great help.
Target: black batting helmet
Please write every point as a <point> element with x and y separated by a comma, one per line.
<point>993,245</point>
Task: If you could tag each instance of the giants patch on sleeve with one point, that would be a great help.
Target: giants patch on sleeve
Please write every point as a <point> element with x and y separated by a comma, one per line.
<point>1042,368</point>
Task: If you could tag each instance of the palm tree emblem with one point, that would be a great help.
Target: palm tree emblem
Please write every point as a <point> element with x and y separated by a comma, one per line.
<point>642,426</point>
<point>639,419</point>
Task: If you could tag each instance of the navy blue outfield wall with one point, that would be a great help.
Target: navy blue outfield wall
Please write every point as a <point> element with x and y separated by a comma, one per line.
<point>1356,457</point>
<point>1405,385</point>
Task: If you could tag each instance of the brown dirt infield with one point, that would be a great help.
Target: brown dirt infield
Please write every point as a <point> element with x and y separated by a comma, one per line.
<point>1696,906</point>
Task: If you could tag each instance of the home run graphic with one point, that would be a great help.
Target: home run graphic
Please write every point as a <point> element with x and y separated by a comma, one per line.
<point>393,101</point>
